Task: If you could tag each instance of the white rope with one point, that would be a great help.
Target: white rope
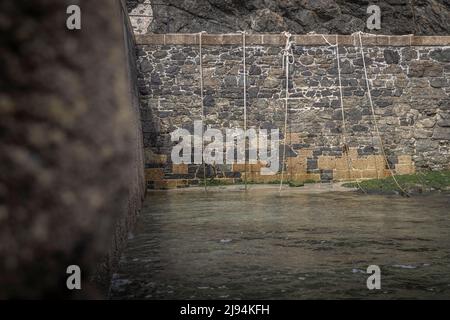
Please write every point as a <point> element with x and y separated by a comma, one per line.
<point>340,89</point>
<point>411,35</point>
<point>245,102</point>
<point>313,33</point>
<point>288,59</point>
<point>374,117</point>
<point>203,107</point>
<point>344,129</point>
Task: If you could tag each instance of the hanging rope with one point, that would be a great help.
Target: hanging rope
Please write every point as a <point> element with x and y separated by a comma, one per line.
<point>353,35</point>
<point>245,103</point>
<point>345,147</point>
<point>374,117</point>
<point>288,59</point>
<point>344,130</point>
<point>203,106</point>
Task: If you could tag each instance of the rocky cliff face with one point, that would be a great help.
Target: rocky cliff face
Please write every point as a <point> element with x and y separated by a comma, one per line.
<point>422,17</point>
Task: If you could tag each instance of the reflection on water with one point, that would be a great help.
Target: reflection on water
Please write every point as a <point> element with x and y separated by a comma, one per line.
<point>260,245</point>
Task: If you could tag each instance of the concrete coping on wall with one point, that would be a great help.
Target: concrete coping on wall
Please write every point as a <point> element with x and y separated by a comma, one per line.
<point>280,39</point>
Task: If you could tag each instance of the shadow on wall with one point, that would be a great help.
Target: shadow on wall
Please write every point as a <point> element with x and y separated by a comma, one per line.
<point>71,167</point>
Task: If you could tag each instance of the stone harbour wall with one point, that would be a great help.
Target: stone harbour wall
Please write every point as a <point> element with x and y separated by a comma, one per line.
<point>409,84</point>
<point>71,162</point>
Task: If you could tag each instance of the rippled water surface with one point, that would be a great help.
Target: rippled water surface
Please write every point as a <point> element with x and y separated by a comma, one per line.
<point>260,245</point>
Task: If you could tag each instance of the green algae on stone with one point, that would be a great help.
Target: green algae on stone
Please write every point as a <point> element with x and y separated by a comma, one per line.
<point>413,183</point>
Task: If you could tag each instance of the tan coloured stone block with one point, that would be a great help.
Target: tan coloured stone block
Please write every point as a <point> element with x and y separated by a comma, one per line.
<point>278,39</point>
<point>296,165</point>
<point>356,174</point>
<point>170,183</point>
<point>254,167</point>
<point>341,175</point>
<point>254,39</point>
<point>273,39</point>
<point>307,153</point>
<point>404,159</point>
<point>353,153</point>
<point>369,174</point>
<point>306,176</point>
<point>153,174</point>
<point>360,163</point>
<point>294,137</point>
<point>180,168</point>
<point>154,158</point>
<point>404,169</point>
<point>298,159</point>
<point>385,173</point>
<point>326,162</point>
<point>181,38</point>
<point>296,168</point>
<point>342,163</point>
<point>250,167</point>
<point>258,178</point>
<point>376,162</point>
<point>252,176</point>
<point>238,167</point>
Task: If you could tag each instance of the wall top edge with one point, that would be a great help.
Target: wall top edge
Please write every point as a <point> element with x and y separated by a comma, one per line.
<point>280,39</point>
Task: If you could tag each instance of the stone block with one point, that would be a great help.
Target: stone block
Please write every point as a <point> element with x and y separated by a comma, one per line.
<point>258,178</point>
<point>404,159</point>
<point>424,68</point>
<point>296,164</point>
<point>341,175</point>
<point>342,164</point>
<point>307,153</point>
<point>254,167</point>
<point>326,162</point>
<point>180,168</point>
<point>294,138</point>
<point>306,177</point>
<point>441,133</point>
<point>154,158</point>
<point>404,168</point>
<point>326,175</point>
<point>353,153</point>
<point>170,184</point>
<point>391,56</point>
<point>356,174</point>
<point>376,162</point>
<point>153,174</point>
<point>370,174</point>
<point>360,163</point>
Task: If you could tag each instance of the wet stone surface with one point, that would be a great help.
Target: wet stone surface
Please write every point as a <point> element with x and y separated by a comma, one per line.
<point>260,245</point>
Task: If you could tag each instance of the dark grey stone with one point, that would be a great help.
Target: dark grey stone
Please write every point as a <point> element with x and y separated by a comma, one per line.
<point>208,101</point>
<point>155,79</point>
<point>391,56</point>
<point>360,128</point>
<point>441,55</point>
<point>441,133</point>
<point>254,70</point>
<point>146,66</point>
